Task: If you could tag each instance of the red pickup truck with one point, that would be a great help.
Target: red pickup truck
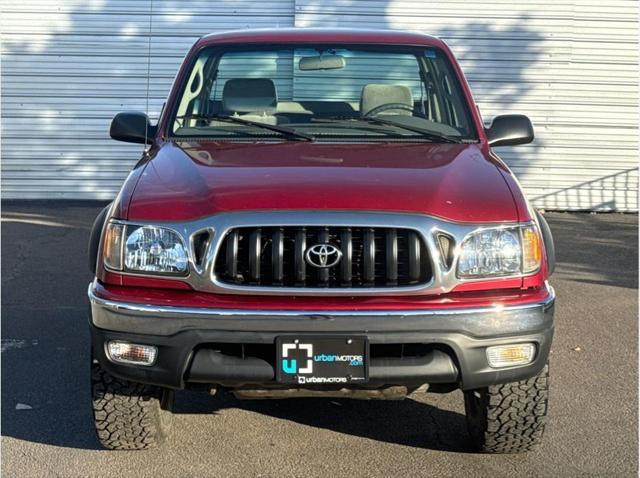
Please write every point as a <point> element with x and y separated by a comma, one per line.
<point>321,213</point>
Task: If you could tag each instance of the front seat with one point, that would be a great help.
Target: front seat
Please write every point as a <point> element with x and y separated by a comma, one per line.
<point>253,99</point>
<point>374,97</point>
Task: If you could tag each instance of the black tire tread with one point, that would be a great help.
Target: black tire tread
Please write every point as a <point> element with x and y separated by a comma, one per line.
<point>511,416</point>
<point>127,414</point>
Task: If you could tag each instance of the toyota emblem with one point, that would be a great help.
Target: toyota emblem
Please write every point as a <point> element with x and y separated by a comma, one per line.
<point>323,255</point>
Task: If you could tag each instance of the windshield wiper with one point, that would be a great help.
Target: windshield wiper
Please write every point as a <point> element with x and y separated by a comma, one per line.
<point>431,135</point>
<point>287,132</point>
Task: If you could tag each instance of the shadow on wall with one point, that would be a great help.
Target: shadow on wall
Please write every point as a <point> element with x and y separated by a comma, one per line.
<point>516,59</point>
<point>55,123</point>
<point>591,192</point>
<point>69,66</point>
<point>497,59</point>
<point>498,79</point>
<point>88,163</point>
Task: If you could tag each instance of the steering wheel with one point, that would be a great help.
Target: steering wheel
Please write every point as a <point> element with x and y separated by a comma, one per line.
<point>388,106</point>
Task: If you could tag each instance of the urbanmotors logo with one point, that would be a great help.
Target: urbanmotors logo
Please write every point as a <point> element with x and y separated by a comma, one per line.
<point>290,366</point>
<point>323,255</point>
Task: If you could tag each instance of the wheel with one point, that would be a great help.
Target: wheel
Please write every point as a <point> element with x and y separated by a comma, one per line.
<point>508,418</point>
<point>129,415</point>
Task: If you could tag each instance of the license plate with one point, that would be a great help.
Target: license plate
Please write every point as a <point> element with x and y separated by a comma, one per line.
<point>322,360</point>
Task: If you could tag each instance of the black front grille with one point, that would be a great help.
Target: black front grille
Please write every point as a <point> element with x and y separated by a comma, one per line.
<point>275,257</point>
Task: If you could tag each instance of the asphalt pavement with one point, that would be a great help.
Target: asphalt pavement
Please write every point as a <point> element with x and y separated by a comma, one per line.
<point>47,424</point>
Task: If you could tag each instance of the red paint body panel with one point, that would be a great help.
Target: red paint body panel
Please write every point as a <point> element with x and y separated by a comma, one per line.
<point>452,181</point>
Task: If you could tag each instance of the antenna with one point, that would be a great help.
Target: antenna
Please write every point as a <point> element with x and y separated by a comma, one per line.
<point>146,129</point>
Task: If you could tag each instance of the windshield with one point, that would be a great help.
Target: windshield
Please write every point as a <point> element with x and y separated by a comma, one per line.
<point>312,93</point>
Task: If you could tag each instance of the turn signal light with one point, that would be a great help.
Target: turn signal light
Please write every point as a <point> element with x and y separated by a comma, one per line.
<point>509,355</point>
<point>113,246</point>
<point>136,354</point>
<point>532,250</point>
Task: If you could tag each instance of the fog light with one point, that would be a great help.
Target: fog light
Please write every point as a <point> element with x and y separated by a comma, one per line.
<point>509,355</point>
<point>124,352</point>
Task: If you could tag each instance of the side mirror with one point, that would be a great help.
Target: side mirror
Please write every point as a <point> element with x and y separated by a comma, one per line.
<point>510,130</point>
<point>132,127</point>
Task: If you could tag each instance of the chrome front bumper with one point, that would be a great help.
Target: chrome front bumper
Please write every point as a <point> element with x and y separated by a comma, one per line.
<point>182,336</point>
<point>167,320</point>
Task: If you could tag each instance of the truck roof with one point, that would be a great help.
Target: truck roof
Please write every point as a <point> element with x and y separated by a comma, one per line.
<point>321,35</point>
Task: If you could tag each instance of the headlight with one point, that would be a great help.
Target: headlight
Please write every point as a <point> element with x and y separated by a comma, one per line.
<point>500,252</point>
<point>144,249</point>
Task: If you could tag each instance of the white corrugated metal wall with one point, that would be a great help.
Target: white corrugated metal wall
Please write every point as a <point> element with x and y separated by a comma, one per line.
<point>572,66</point>
<point>68,66</point>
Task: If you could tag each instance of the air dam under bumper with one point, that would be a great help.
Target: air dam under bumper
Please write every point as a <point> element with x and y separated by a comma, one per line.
<point>454,340</point>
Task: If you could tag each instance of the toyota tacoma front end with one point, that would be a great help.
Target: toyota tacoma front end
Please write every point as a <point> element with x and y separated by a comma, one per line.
<point>320,213</point>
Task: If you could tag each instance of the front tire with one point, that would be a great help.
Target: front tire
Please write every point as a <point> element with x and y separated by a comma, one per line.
<point>508,418</point>
<point>129,415</point>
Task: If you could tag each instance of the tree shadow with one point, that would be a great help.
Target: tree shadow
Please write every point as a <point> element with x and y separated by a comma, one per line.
<point>518,59</point>
<point>594,192</point>
<point>86,161</point>
<point>65,78</point>
<point>70,103</point>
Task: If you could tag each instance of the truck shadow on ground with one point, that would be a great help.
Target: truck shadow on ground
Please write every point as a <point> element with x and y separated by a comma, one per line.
<point>407,422</point>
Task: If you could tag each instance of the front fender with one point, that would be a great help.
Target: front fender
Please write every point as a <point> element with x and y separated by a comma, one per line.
<point>94,238</point>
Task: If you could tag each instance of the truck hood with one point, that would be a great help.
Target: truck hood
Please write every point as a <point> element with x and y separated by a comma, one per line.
<point>187,180</point>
